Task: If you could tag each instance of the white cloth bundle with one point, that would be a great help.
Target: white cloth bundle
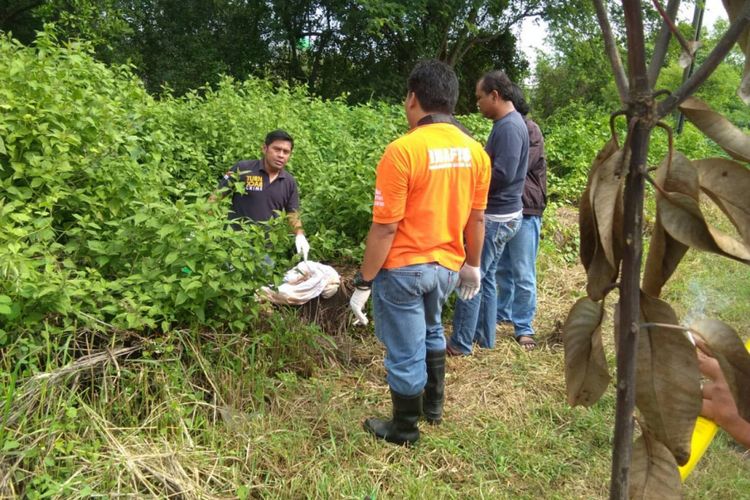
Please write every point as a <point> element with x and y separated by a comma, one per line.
<point>304,282</point>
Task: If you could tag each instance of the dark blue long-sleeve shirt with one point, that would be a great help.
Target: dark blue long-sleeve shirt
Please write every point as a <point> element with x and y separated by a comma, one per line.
<point>508,147</point>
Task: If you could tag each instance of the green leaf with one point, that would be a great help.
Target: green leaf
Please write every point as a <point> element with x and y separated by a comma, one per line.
<point>171,257</point>
<point>200,313</point>
<point>11,444</point>
<point>191,285</point>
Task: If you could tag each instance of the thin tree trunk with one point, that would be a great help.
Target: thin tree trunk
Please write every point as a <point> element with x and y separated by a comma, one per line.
<point>639,109</point>
<point>629,312</point>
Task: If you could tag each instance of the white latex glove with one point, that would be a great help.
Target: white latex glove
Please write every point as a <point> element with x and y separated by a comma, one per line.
<point>302,245</point>
<point>469,278</point>
<point>357,304</point>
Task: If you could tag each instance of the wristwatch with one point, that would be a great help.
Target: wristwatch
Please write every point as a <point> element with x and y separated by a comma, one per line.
<point>360,283</point>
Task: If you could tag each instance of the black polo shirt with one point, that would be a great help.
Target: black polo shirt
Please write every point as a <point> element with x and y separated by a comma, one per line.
<point>260,198</point>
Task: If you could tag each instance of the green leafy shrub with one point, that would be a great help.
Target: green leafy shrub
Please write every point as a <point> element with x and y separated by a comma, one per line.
<point>97,222</point>
<point>104,213</point>
<point>572,137</point>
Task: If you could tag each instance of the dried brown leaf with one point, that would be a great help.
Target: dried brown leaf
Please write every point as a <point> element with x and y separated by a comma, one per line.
<point>587,226</point>
<point>601,274</point>
<point>610,148</point>
<point>734,10</point>
<point>727,347</point>
<point>664,254</point>
<point>727,183</point>
<point>589,239</point>
<point>682,219</point>
<point>605,193</point>
<point>729,137</point>
<point>653,471</point>
<point>586,372</point>
<point>679,175</point>
<point>729,246</point>
<point>668,392</point>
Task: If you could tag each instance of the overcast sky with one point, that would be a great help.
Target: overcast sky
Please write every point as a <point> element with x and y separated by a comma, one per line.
<point>533,31</point>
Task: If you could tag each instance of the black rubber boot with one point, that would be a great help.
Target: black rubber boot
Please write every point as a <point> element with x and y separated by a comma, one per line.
<point>434,391</point>
<point>402,428</point>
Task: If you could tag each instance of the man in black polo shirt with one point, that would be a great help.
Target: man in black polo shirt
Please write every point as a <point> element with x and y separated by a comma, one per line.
<point>267,187</point>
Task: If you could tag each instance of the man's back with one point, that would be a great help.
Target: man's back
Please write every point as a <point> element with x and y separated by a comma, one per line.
<point>429,181</point>
<point>535,187</point>
<point>508,147</point>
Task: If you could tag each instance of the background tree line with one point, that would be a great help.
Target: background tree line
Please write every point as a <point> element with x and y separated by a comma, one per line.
<point>363,49</point>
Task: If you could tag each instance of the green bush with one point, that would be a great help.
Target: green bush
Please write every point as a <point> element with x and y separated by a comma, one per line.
<point>104,213</point>
<point>572,137</point>
<point>97,222</point>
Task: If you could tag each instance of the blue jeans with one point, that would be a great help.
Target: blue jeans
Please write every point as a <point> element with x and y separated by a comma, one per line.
<point>407,305</point>
<point>516,277</point>
<point>474,320</point>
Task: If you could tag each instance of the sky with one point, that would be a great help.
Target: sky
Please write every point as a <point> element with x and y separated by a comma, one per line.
<point>533,31</point>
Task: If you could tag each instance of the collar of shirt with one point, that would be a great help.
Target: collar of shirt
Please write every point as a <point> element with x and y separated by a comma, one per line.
<point>283,174</point>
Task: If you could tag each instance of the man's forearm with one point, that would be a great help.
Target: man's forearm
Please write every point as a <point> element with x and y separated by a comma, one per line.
<point>295,222</point>
<point>739,429</point>
<point>377,246</point>
<point>474,237</point>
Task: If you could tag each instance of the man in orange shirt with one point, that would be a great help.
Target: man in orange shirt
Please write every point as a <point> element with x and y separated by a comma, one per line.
<point>426,238</point>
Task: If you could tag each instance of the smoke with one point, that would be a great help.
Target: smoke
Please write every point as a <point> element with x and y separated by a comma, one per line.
<point>697,309</point>
<point>704,301</point>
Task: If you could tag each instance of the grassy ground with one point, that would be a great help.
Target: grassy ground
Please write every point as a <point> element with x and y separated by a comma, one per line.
<point>188,416</point>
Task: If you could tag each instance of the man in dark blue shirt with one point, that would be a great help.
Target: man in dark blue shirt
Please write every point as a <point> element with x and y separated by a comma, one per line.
<point>508,148</point>
<point>268,188</point>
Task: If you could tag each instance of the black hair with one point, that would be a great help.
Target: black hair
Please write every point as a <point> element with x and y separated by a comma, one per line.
<point>499,81</point>
<point>519,101</point>
<point>278,135</point>
<point>435,85</point>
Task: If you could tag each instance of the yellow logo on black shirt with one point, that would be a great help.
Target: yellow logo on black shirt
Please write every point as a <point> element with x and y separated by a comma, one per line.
<point>253,183</point>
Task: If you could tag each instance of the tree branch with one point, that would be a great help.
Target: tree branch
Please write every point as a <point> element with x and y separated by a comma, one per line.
<point>529,11</point>
<point>683,43</point>
<point>463,39</point>
<point>712,61</point>
<point>662,43</point>
<point>612,53</point>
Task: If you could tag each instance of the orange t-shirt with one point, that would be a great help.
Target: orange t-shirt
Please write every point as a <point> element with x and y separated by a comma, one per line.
<point>428,181</point>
